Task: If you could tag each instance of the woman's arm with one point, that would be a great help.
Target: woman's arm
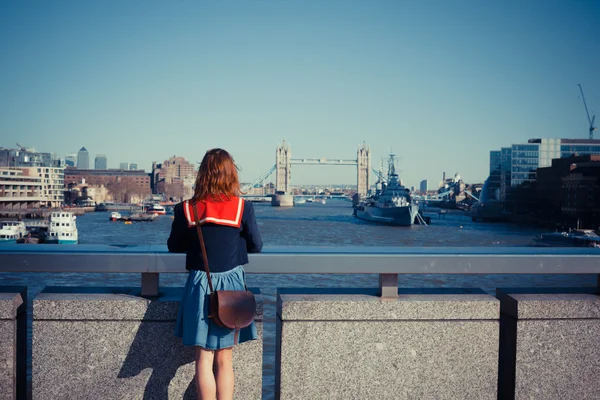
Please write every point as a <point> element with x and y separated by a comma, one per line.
<point>178,240</point>
<point>250,232</point>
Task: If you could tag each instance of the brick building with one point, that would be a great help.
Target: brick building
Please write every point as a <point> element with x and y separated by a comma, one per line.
<point>175,178</point>
<point>121,185</point>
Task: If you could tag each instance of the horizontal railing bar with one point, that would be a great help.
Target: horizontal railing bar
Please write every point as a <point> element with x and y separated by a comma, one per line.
<point>309,260</point>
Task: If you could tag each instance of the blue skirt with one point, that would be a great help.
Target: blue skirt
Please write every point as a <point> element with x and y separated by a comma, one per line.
<point>193,324</point>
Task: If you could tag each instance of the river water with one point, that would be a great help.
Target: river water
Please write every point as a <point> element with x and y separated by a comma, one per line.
<point>311,224</point>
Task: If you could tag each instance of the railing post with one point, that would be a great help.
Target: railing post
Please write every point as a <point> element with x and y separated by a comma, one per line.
<point>150,284</point>
<point>388,286</point>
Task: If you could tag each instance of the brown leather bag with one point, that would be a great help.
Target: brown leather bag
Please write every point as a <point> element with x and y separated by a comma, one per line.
<point>233,309</point>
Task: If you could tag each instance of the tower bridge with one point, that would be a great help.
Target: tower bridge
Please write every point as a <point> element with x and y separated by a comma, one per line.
<point>284,162</point>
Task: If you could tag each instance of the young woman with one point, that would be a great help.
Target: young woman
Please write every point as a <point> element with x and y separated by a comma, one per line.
<point>230,232</point>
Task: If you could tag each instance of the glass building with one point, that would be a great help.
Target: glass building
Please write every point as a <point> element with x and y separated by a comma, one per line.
<point>100,161</point>
<point>519,163</point>
<point>83,158</point>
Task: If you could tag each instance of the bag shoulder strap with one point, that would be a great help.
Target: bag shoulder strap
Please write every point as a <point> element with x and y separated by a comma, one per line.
<point>202,247</point>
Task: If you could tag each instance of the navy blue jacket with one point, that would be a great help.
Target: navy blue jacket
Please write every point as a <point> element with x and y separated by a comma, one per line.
<point>226,246</point>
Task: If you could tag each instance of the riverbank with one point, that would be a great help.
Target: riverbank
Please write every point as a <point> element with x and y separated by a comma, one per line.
<point>40,213</point>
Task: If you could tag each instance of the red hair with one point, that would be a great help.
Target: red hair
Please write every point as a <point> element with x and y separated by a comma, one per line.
<point>217,178</point>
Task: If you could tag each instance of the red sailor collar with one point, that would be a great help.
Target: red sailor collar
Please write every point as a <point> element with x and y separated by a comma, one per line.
<point>226,212</point>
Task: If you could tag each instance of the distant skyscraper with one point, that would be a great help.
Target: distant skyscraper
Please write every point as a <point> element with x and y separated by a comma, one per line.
<point>133,166</point>
<point>71,159</point>
<point>124,165</point>
<point>83,159</point>
<point>100,162</point>
<point>423,186</point>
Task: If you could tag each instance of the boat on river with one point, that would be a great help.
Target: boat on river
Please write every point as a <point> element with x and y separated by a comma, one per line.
<point>576,238</point>
<point>62,228</point>
<point>115,216</point>
<point>11,231</point>
<point>392,204</point>
<point>156,209</point>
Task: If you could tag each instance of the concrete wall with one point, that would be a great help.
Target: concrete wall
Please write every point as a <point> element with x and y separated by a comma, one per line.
<point>114,344</point>
<point>440,344</point>
<point>550,344</point>
<point>13,347</point>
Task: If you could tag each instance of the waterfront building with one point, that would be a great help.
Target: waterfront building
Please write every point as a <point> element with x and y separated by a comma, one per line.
<point>133,166</point>
<point>124,165</point>
<point>122,185</point>
<point>581,194</point>
<point>568,192</point>
<point>71,160</point>
<point>83,159</point>
<point>46,166</point>
<point>100,162</point>
<point>52,179</point>
<point>19,190</point>
<point>525,158</point>
<point>423,186</point>
<point>175,177</point>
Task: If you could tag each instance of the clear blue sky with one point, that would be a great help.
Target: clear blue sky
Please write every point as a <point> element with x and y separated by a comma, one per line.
<point>440,82</point>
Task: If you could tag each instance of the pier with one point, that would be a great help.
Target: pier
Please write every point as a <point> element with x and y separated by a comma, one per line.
<point>389,342</point>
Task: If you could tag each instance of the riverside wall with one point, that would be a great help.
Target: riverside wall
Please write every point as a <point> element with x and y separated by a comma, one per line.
<point>549,343</point>
<point>13,346</point>
<point>111,343</point>
<point>424,345</point>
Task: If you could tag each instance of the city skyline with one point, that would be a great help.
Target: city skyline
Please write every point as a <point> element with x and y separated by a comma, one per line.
<point>440,83</point>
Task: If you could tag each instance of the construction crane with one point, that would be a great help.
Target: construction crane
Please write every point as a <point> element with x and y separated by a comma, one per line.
<point>591,121</point>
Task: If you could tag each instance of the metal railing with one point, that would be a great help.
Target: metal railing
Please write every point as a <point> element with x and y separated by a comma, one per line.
<point>388,262</point>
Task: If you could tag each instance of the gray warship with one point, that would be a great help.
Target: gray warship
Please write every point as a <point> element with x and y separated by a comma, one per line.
<point>392,204</point>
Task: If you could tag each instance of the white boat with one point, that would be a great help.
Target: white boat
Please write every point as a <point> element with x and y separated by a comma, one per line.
<point>115,216</point>
<point>7,236</point>
<point>323,201</point>
<point>62,228</point>
<point>392,204</point>
<point>11,231</point>
<point>157,209</point>
<point>299,200</point>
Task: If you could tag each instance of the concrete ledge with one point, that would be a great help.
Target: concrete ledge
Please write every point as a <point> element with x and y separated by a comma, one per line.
<point>110,343</point>
<point>549,343</point>
<point>353,345</point>
<point>13,342</point>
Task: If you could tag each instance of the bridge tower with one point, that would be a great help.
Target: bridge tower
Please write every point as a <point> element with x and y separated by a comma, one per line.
<point>283,168</point>
<point>363,164</point>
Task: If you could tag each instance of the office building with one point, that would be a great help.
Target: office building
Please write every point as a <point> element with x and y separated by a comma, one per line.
<point>423,186</point>
<point>71,160</point>
<point>83,159</point>
<point>100,162</point>
<point>518,163</point>
<point>133,166</point>
<point>124,165</point>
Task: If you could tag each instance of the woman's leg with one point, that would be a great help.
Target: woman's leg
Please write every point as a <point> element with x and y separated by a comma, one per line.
<point>205,379</point>
<point>224,373</point>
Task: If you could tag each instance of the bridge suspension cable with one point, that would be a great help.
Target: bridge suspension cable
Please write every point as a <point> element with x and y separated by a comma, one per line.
<point>259,180</point>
